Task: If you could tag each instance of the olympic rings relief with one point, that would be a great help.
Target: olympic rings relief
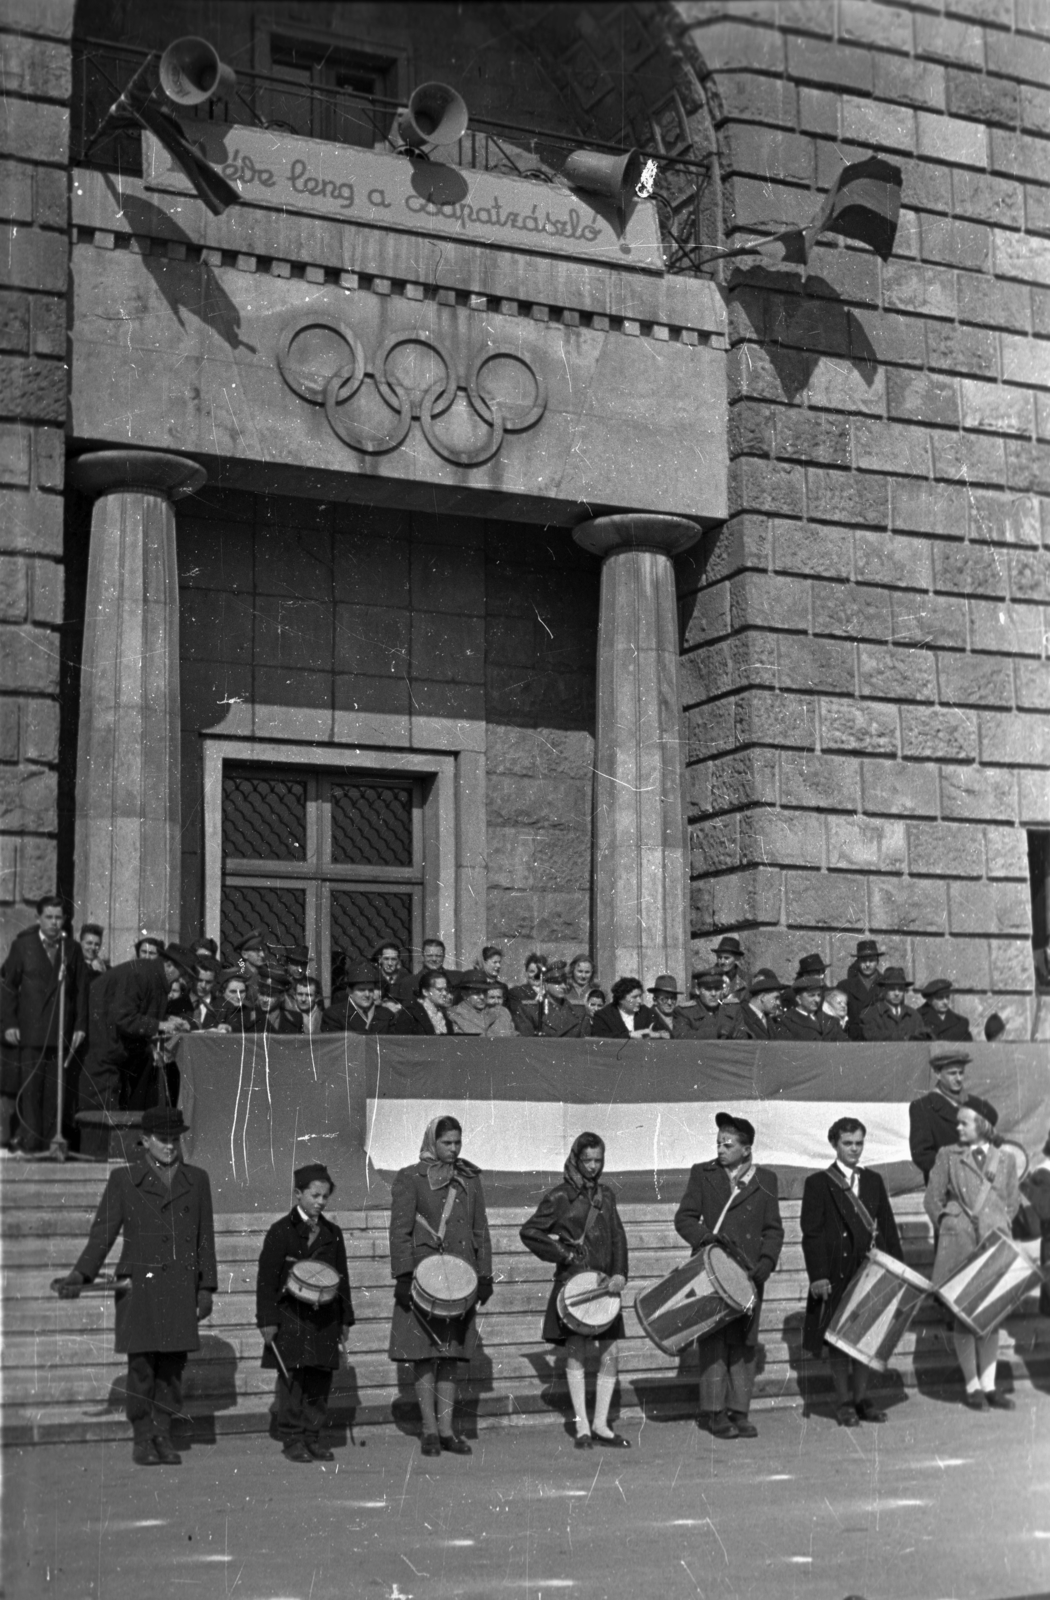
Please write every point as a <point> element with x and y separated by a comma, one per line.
<point>336,390</point>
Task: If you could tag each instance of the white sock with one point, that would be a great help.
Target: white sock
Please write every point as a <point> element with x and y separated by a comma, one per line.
<point>966,1355</point>
<point>603,1394</point>
<point>987,1359</point>
<point>577,1381</point>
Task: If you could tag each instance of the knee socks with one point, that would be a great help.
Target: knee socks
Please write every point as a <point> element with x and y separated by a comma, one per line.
<point>966,1355</point>
<point>576,1378</point>
<point>608,1368</point>
<point>425,1389</point>
<point>987,1359</point>
<point>446,1400</point>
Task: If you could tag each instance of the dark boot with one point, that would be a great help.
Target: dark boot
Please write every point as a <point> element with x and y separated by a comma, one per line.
<point>166,1451</point>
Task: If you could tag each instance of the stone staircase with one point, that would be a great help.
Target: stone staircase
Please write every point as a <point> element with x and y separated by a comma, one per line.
<point>62,1381</point>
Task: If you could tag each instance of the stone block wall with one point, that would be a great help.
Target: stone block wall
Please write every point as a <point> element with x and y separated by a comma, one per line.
<point>34,254</point>
<point>865,643</point>
<point>308,621</point>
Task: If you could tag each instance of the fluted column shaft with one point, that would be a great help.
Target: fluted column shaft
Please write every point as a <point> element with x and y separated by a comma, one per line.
<point>641,870</point>
<point>128,820</point>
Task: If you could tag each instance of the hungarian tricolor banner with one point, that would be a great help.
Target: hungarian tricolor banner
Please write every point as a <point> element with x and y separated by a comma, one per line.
<point>260,1108</point>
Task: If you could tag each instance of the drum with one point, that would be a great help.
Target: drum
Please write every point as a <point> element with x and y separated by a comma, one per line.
<point>313,1282</point>
<point>444,1286</point>
<point>876,1309</point>
<point>585,1307</point>
<point>1020,1155</point>
<point>990,1284</point>
<point>696,1299</point>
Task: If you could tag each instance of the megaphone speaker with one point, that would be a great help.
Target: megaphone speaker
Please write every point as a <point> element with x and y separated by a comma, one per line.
<point>191,72</point>
<point>436,115</point>
<point>614,177</point>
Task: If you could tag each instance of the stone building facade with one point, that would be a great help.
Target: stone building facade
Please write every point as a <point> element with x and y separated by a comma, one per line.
<point>858,740</point>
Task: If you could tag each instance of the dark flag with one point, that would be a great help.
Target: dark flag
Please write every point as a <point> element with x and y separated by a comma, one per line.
<point>864,203</point>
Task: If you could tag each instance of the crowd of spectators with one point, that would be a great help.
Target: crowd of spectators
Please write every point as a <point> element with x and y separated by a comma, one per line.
<point>119,1021</point>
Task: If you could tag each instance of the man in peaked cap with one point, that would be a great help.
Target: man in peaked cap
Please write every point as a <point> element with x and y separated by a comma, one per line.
<point>861,985</point>
<point>732,1203</point>
<point>756,1018</point>
<point>355,1009</point>
<point>888,1020</point>
<point>163,1209</point>
<point>272,1015</point>
<point>806,1022</point>
<point>704,1017</point>
<point>939,1020</point>
<point>932,1116</point>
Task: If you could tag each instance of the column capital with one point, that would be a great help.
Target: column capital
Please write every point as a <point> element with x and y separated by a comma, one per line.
<point>142,471</point>
<point>629,530</point>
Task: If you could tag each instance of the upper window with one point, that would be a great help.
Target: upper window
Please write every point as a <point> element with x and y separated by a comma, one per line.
<point>328,80</point>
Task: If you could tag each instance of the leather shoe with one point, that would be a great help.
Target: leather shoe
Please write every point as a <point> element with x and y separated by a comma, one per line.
<point>319,1451</point>
<point>744,1428</point>
<point>583,1441</point>
<point>976,1400</point>
<point>166,1451</point>
<point>999,1402</point>
<point>615,1441</point>
<point>723,1427</point>
<point>144,1453</point>
<point>430,1445</point>
<point>454,1446</point>
<point>847,1417</point>
<point>295,1450</point>
<point>868,1411</point>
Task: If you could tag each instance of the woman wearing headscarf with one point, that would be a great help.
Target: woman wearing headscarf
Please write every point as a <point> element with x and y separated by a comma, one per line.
<point>578,1227</point>
<point>437,1205</point>
<point>973,1190</point>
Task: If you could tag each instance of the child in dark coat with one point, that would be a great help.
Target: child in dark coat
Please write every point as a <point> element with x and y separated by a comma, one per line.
<point>303,1341</point>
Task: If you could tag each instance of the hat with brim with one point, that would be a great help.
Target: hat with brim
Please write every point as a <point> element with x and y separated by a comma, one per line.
<point>361,972</point>
<point>256,940</point>
<point>164,1122</point>
<point>812,964</point>
<point>765,981</point>
<point>298,954</point>
<point>994,1028</point>
<point>711,979</point>
<point>868,950</point>
<point>228,974</point>
<point>729,945</point>
<point>725,1119</point>
<point>180,957</point>
<point>893,978</point>
<point>936,986</point>
<point>942,1059</point>
<point>665,984</point>
<point>478,982</point>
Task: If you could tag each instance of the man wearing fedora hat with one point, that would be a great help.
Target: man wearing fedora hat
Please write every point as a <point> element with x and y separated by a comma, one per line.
<point>474,1016</point>
<point>938,1018</point>
<point>729,961</point>
<point>665,992</point>
<point>271,1015</point>
<point>806,1021</point>
<point>862,983</point>
<point>163,1210</point>
<point>888,1020</point>
<point>355,1008</point>
<point>757,1017</point>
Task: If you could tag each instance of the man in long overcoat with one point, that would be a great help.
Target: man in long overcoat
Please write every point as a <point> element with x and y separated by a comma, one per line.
<point>733,1201</point>
<point>41,961</point>
<point>163,1209</point>
<point>932,1116</point>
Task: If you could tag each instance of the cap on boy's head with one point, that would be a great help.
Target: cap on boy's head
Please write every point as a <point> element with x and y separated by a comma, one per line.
<point>740,1125</point>
<point>164,1122</point>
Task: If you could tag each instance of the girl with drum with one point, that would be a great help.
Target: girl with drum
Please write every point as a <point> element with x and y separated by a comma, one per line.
<point>303,1308</point>
<point>972,1192</point>
<point>578,1227</point>
<point>438,1221</point>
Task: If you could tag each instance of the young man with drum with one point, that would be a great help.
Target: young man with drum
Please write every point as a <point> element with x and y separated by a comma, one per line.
<point>441,1262</point>
<point>973,1192</point>
<point>735,1204</point>
<point>845,1213</point>
<point>577,1226</point>
<point>303,1309</point>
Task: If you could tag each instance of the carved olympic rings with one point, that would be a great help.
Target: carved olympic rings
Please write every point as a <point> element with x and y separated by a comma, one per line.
<point>335,390</point>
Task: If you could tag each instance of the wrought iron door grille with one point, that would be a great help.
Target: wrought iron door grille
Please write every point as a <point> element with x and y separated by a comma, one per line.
<point>372,824</point>
<point>361,918</point>
<point>263,818</point>
<point>279,912</point>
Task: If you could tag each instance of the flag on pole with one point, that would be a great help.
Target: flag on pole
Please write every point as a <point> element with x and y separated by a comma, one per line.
<point>864,203</point>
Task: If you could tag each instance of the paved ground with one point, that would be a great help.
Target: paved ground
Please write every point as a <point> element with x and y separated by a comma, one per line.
<point>939,1502</point>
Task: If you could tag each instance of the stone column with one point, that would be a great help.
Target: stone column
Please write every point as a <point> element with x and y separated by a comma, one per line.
<point>641,869</point>
<point>128,755</point>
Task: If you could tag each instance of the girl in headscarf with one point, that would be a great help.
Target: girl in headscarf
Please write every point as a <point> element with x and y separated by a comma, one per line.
<point>437,1204</point>
<point>578,1227</point>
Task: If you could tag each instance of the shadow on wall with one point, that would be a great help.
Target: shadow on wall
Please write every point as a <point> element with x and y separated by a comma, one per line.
<point>798,323</point>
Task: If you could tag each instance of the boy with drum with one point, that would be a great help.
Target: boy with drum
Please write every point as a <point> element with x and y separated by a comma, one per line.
<point>303,1309</point>
<point>735,1204</point>
<point>577,1226</point>
<point>845,1212</point>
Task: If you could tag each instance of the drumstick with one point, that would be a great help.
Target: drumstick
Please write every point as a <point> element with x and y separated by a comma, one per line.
<point>280,1361</point>
<point>592,1294</point>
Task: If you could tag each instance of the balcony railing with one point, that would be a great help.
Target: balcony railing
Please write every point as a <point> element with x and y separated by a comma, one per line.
<point>102,68</point>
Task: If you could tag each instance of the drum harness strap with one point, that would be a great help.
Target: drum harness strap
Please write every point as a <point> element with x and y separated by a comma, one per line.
<point>865,1217</point>
<point>987,1175</point>
<point>437,1233</point>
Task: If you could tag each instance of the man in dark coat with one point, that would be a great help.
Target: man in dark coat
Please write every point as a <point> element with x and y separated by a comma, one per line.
<point>845,1211</point>
<point>271,1017</point>
<point>552,1014</point>
<point>163,1209</point>
<point>733,1201</point>
<point>43,962</point>
<point>430,1013</point>
<point>303,1340</point>
<point>704,1017</point>
<point>127,1013</point>
<point>862,984</point>
<point>889,1020</point>
<point>938,1018</point>
<point>806,1022</point>
<point>932,1117</point>
<point>756,1018</point>
<point>357,1008</point>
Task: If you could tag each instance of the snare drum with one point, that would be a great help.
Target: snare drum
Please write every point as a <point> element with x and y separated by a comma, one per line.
<point>585,1307</point>
<point>696,1299</point>
<point>312,1282</point>
<point>876,1309</point>
<point>990,1284</point>
<point>444,1286</point>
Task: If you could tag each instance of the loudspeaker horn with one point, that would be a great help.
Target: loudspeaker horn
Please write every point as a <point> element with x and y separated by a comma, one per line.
<point>615,177</point>
<point>191,72</point>
<point>435,115</point>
